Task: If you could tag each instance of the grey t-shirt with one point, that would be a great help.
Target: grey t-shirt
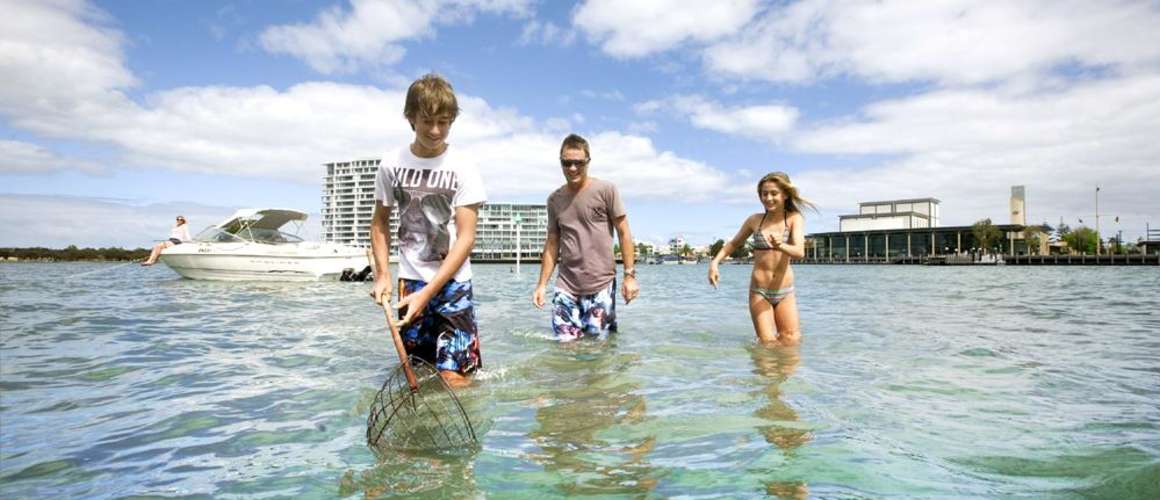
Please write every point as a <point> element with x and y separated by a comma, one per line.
<point>585,221</point>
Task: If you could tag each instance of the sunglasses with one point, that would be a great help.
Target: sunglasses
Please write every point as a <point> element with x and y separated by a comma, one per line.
<point>572,163</point>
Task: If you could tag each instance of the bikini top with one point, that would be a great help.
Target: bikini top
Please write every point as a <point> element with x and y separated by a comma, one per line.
<point>758,239</point>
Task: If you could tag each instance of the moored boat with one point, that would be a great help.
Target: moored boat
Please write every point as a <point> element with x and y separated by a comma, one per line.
<point>250,245</point>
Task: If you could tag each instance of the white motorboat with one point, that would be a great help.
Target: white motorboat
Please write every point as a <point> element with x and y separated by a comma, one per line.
<point>250,245</point>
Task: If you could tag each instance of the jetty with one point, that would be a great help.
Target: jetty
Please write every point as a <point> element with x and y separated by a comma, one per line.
<point>1009,260</point>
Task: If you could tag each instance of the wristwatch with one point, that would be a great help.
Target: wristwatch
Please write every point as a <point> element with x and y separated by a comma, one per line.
<point>630,272</point>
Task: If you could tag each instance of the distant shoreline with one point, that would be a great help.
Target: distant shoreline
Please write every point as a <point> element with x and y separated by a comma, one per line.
<point>72,254</point>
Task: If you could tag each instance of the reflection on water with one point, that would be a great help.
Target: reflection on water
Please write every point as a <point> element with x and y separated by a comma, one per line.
<point>588,390</point>
<point>410,473</point>
<point>775,365</point>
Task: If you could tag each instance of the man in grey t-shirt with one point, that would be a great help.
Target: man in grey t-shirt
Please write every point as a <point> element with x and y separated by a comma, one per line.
<point>581,217</point>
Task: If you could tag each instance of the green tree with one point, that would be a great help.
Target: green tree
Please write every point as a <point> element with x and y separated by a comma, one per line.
<point>72,253</point>
<point>985,233</point>
<point>742,252</point>
<point>716,247</point>
<point>1114,246</point>
<point>1081,239</point>
<point>643,249</point>
<point>686,250</point>
<point>1033,242</point>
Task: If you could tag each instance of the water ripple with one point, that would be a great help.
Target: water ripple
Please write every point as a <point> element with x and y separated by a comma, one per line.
<point>912,381</point>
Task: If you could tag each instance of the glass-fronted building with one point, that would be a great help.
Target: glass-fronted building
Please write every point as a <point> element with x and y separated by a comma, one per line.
<point>885,244</point>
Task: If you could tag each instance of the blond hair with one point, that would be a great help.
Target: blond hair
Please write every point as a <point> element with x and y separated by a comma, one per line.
<point>793,201</point>
<point>432,97</point>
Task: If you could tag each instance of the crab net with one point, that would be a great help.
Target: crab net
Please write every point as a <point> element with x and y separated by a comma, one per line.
<point>429,417</point>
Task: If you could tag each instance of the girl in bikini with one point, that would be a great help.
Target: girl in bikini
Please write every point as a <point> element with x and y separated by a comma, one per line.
<point>776,235</point>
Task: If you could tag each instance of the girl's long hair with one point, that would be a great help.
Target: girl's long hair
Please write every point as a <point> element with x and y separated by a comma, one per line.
<point>793,200</point>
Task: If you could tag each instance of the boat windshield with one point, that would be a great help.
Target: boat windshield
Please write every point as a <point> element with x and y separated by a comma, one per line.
<point>214,234</point>
<point>269,236</point>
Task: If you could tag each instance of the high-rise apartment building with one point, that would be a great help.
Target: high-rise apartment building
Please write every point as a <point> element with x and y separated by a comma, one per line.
<point>348,201</point>
<point>504,227</point>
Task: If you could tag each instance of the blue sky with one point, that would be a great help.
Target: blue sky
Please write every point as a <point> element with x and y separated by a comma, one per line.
<point>116,115</point>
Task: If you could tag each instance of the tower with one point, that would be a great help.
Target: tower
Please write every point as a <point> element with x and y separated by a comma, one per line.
<point>1018,205</point>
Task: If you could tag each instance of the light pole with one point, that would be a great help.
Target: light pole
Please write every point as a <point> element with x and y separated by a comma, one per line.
<point>517,221</point>
<point>1099,239</point>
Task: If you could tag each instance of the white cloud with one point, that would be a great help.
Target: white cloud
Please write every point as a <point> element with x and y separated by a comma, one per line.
<point>642,127</point>
<point>25,157</point>
<point>559,125</point>
<point>57,58</point>
<point>368,35</point>
<point>640,28</point>
<point>983,121</point>
<point>612,95</point>
<point>766,121</point>
<point>632,162</point>
<point>952,42</point>
<point>967,147</point>
<point>287,134</point>
<point>546,33</point>
<point>640,170</point>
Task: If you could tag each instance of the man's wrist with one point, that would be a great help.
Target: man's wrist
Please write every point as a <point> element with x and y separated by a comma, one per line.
<point>630,272</point>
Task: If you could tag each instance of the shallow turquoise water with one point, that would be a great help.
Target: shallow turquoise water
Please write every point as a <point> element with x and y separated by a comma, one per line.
<point>912,381</point>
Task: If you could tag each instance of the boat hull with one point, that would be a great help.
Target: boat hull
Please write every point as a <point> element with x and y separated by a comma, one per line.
<point>205,262</point>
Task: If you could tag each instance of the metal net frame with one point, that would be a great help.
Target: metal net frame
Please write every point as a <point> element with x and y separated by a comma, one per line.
<point>427,416</point>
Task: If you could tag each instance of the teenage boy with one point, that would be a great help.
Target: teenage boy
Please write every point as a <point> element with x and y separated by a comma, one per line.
<point>436,192</point>
<point>581,217</point>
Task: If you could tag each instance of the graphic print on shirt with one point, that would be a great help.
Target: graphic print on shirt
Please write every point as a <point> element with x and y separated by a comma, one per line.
<point>600,214</point>
<point>424,200</point>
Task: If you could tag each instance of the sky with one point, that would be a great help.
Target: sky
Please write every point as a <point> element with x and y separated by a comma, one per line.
<point>115,116</point>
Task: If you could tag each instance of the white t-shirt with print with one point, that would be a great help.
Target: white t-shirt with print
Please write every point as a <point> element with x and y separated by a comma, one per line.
<point>423,193</point>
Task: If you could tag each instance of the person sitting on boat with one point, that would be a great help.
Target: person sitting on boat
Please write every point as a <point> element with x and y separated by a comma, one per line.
<point>177,235</point>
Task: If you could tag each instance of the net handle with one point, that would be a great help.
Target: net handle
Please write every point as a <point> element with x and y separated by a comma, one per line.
<point>411,380</point>
<point>398,339</point>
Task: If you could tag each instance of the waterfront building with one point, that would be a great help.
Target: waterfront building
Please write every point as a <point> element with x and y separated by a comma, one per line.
<point>504,228</point>
<point>348,201</point>
<point>1150,244</point>
<point>894,214</point>
<point>910,228</point>
<point>877,245</point>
